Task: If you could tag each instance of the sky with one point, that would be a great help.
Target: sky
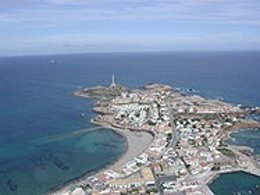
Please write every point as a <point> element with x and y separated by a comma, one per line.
<point>32,27</point>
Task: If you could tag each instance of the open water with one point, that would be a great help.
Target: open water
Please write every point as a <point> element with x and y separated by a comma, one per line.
<point>36,106</point>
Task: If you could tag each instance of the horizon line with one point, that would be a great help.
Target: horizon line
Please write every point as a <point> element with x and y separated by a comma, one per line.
<point>125,52</point>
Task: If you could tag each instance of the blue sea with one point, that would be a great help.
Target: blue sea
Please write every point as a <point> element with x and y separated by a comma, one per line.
<point>236,183</point>
<point>38,112</point>
<point>246,137</point>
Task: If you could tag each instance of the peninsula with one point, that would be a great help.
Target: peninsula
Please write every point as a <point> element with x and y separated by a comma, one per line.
<point>187,149</point>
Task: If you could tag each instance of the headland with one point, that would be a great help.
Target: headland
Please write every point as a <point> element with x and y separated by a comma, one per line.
<point>186,148</point>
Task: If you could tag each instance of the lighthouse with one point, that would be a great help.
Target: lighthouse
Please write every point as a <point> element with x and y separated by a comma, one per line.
<point>113,84</point>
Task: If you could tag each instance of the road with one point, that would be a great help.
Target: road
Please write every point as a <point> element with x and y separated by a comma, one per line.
<point>157,182</point>
<point>175,136</point>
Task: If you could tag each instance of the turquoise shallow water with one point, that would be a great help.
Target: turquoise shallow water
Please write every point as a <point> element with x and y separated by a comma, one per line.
<point>36,104</point>
<point>52,163</point>
<point>236,183</point>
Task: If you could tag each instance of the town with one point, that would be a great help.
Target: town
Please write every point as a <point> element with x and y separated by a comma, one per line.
<point>188,149</point>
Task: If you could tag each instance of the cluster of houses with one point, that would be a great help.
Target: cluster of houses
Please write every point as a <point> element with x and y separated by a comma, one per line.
<point>187,130</point>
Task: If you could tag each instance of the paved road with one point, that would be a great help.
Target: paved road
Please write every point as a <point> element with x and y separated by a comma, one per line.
<point>157,183</point>
<point>160,180</point>
<point>175,136</point>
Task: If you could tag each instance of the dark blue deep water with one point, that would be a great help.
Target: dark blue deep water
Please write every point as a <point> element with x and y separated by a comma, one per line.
<point>36,105</point>
<point>236,183</point>
<point>246,137</point>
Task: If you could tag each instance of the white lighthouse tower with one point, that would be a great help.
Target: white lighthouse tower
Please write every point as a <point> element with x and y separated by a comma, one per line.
<point>113,84</point>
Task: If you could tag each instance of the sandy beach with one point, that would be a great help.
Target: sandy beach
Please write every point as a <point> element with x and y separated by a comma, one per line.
<point>133,149</point>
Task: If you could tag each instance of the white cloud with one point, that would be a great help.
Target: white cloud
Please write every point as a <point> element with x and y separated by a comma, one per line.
<point>216,11</point>
<point>23,24</point>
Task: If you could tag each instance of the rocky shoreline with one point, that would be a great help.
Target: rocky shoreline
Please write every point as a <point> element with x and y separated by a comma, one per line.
<point>115,103</point>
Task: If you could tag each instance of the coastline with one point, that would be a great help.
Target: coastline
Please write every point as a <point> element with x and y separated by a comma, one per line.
<point>133,148</point>
<point>245,127</point>
<point>214,175</point>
